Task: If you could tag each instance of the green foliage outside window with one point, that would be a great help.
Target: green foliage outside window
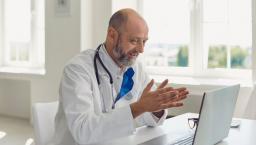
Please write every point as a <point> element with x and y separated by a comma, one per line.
<point>183,56</point>
<point>238,57</point>
<point>217,56</point>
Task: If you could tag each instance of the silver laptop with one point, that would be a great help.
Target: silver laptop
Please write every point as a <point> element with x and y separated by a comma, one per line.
<point>215,116</point>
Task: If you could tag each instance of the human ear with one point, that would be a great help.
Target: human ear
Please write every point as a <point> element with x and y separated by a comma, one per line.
<point>112,34</point>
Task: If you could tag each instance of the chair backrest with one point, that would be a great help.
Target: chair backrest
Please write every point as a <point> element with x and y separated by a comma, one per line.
<point>43,119</point>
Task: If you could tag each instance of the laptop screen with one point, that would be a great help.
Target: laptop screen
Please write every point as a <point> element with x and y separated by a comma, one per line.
<point>215,115</point>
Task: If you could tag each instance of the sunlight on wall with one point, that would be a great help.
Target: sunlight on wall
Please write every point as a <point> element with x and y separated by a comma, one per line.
<point>29,141</point>
<point>2,134</point>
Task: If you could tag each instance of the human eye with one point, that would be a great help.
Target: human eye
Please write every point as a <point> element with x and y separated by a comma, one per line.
<point>144,41</point>
<point>134,41</point>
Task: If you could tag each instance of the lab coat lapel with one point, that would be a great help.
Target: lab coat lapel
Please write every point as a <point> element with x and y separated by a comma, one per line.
<point>106,92</point>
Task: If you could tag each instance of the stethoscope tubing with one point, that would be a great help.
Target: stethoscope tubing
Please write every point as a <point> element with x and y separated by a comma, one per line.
<point>97,56</point>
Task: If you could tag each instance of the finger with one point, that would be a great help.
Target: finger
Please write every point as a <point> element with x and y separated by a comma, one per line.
<point>162,90</point>
<point>167,97</point>
<point>183,93</point>
<point>181,89</point>
<point>167,100</point>
<point>149,86</point>
<point>163,84</point>
<point>170,105</point>
<point>180,98</point>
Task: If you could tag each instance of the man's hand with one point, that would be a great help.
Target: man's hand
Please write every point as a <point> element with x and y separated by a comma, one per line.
<point>160,113</point>
<point>158,100</point>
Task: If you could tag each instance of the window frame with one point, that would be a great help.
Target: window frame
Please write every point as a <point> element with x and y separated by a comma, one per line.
<point>253,41</point>
<point>198,56</point>
<point>36,53</point>
<point>1,33</point>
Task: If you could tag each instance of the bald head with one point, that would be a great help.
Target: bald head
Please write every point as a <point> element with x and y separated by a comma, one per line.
<point>126,36</point>
<point>120,19</point>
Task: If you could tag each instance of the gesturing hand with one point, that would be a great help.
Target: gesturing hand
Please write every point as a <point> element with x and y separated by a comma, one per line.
<point>162,98</point>
<point>181,92</point>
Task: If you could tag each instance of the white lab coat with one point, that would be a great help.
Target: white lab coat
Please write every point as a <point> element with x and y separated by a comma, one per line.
<point>81,117</point>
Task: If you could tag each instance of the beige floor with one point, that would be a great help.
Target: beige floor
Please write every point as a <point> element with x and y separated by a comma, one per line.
<point>15,131</point>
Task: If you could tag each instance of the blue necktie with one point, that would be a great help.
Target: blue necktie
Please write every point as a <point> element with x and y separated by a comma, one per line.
<point>127,84</point>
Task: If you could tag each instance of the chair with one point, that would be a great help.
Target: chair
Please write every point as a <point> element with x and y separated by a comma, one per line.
<point>43,116</point>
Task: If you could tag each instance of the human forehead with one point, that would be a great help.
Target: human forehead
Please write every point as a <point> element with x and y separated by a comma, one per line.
<point>135,33</point>
<point>135,36</point>
<point>135,26</point>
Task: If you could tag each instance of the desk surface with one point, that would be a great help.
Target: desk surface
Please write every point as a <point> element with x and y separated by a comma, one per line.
<point>177,127</point>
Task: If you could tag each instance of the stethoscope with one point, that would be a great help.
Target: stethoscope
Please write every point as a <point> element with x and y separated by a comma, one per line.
<point>114,100</point>
<point>97,56</point>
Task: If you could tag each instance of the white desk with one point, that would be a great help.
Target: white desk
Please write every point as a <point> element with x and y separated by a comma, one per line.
<point>177,127</point>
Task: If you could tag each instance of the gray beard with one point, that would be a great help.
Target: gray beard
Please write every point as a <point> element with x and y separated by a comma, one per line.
<point>122,58</point>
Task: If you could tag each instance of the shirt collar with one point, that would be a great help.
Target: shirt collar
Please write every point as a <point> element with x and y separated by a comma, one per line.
<point>109,62</point>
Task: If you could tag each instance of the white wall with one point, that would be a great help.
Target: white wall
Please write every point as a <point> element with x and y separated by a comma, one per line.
<point>15,98</point>
<point>116,4</point>
<point>62,41</point>
<point>94,17</point>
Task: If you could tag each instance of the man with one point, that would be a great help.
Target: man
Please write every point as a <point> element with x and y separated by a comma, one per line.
<point>105,94</point>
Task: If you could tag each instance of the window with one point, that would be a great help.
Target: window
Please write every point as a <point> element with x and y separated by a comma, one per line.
<point>168,46</point>
<point>22,33</point>
<point>210,38</point>
<point>227,33</point>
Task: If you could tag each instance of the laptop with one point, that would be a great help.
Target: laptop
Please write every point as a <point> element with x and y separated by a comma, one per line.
<point>215,116</point>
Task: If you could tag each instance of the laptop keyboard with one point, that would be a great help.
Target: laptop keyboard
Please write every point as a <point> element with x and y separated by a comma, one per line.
<point>188,140</point>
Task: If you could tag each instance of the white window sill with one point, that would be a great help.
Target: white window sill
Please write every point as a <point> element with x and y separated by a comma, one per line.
<point>197,81</point>
<point>20,72</point>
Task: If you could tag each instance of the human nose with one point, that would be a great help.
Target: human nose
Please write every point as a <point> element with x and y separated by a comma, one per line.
<point>140,46</point>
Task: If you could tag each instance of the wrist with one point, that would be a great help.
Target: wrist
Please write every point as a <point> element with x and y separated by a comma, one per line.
<point>136,109</point>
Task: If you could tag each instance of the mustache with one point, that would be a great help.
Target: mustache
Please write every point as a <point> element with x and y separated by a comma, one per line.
<point>122,57</point>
